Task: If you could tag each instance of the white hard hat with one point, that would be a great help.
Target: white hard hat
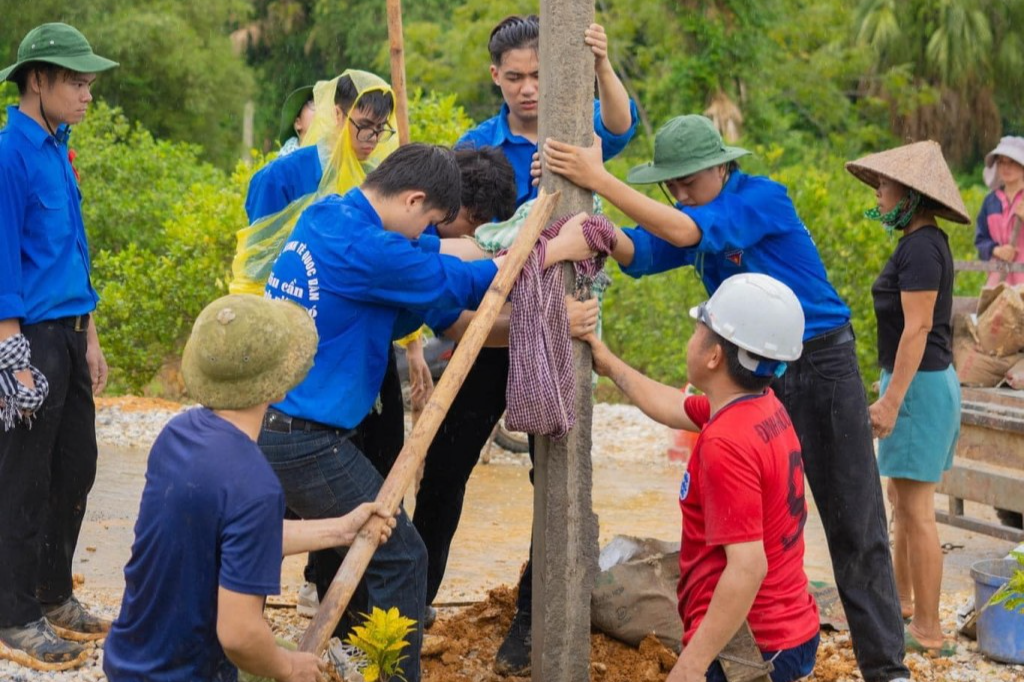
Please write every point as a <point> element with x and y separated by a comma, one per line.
<point>759,314</point>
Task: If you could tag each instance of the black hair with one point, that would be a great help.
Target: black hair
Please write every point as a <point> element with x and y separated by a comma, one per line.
<point>427,168</point>
<point>375,102</point>
<point>741,376</point>
<point>50,71</point>
<point>513,33</point>
<point>489,189</point>
<point>929,205</point>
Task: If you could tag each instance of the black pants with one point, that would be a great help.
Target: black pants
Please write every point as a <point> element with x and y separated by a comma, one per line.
<point>452,456</point>
<point>824,395</point>
<point>46,473</point>
<point>380,436</point>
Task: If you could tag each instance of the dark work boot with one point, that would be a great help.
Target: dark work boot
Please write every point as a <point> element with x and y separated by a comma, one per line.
<point>38,640</point>
<point>513,658</point>
<point>70,620</point>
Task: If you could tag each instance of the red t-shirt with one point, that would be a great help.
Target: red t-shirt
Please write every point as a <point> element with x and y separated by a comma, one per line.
<point>745,482</point>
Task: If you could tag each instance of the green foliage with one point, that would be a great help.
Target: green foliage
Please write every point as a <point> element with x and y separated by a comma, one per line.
<point>130,181</point>
<point>1011,595</point>
<point>149,299</point>
<point>178,76</point>
<point>380,641</point>
<point>436,118</point>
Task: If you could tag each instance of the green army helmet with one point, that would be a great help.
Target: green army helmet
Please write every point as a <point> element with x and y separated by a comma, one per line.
<point>59,44</point>
<point>245,350</point>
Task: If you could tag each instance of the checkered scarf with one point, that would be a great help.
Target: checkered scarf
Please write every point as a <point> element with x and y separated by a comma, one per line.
<point>541,391</point>
<point>17,401</point>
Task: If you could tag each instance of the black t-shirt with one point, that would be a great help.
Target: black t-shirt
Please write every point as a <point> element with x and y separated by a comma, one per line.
<point>922,261</point>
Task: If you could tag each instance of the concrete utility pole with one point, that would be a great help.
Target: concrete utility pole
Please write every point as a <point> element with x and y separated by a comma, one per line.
<point>564,524</point>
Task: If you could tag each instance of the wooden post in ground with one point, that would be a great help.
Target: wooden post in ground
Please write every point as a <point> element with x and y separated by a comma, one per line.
<point>565,526</point>
<point>397,45</point>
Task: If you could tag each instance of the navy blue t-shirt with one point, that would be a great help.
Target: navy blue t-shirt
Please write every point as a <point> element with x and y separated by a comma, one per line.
<point>211,516</point>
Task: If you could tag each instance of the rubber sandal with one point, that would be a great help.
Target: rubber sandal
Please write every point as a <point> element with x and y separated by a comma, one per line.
<point>912,645</point>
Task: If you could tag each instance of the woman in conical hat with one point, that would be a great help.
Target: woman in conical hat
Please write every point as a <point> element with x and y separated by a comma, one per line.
<point>1004,206</point>
<point>917,417</point>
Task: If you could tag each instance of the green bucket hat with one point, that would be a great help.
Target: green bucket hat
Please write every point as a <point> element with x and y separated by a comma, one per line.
<point>247,350</point>
<point>58,44</point>
<point>683,146</point>
<point>293,104</point>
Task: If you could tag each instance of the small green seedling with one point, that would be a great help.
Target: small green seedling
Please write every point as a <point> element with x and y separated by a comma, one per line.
<point>1011,595</point>
<point>380,641</point>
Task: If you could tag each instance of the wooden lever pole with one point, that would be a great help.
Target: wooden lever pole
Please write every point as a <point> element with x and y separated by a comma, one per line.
<point>415,450</point>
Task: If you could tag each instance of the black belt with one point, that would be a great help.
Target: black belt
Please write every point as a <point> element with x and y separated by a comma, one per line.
<point>279,422</point>
<point>836,337</point>
<point>79,323</point>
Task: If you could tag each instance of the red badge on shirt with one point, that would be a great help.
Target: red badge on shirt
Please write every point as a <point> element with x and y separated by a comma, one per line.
<point>736,257</point>
<point>72,155</point>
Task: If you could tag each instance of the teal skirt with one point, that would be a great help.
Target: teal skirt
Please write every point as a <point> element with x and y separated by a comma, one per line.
<point>922,443</point>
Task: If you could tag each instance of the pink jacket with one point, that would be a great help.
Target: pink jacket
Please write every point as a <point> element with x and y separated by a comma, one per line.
<point>994,227</point>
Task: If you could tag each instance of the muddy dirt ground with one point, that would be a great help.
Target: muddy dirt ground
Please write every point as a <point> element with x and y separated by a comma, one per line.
<point>635,493</point>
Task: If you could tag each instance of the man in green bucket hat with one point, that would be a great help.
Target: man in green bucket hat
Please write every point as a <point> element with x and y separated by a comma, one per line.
<point>296,117</point>
<point>51,363</point>
<point>723,223</point>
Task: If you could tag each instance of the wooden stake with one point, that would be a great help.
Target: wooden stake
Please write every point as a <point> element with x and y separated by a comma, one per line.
<point>397,42</point>
<point>415,450</point>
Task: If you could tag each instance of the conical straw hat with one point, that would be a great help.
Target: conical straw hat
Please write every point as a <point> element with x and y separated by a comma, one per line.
<point>919,166</point>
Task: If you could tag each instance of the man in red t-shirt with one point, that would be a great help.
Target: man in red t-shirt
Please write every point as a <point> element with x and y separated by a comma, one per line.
<point>742,496</point>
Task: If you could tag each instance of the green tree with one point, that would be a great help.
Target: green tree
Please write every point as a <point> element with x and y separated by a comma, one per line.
<point>939,62</point>
<point>178,76</point>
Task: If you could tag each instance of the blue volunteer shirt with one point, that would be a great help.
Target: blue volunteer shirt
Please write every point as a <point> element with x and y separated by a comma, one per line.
<point>44,256</point>
<point>355,278</point>
<point>494,132</point>
<point>752,226</point>
<point>211,516</point>
<point>282,181</point>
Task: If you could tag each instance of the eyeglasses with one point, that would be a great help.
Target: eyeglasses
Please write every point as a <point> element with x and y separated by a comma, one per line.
<point>366,133</point>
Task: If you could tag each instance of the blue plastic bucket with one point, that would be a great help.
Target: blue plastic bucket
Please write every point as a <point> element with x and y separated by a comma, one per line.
<point>1000,632</point>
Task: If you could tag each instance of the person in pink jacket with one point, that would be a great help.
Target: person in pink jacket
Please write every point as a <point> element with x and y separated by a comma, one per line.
<point>1002,208</point>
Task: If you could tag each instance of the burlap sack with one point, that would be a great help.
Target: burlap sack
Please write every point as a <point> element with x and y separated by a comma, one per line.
<point>1015,376</point>
<point>977,368</point>
<point>635,593</point>
<point>1000,326</point>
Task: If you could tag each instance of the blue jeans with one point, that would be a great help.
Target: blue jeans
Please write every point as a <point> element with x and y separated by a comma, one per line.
<point>825,398</point>
<point>324,475</point>
<point>790,664</point>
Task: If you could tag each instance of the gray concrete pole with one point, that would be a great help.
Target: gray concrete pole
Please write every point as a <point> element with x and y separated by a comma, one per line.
<point>565,526</point>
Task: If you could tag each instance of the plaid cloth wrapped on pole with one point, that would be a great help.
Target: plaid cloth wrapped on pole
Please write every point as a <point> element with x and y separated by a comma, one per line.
<point>16,399</point>
<point>541,391</point>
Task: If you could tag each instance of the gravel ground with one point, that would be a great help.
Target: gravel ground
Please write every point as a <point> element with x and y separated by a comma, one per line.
<point>621,433</point>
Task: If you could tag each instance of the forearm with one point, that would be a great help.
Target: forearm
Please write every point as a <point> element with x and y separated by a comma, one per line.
<point>312,534</point>
<point>615,111</point>
<point>624,250</point>
<point>729,607</point>
<point>10,327</point>
<point>659,219</point>
<point>464,249</point>
<point>909,354</point>
<point>92,336</point>
<point>496,338</point>
<point>663,404</point>
<point>253,649</point>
